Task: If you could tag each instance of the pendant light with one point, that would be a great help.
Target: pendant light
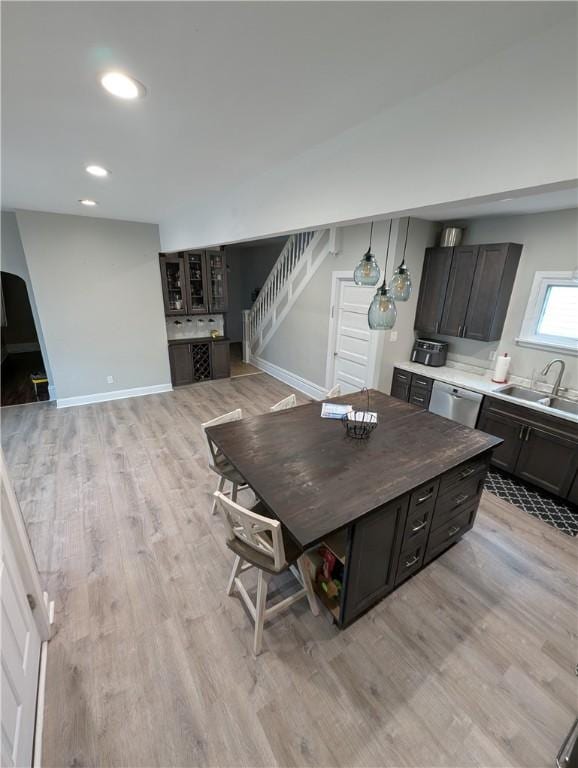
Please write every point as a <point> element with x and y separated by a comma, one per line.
<point>382,313</point>
<point>367,271</point>
<point>400,284</point>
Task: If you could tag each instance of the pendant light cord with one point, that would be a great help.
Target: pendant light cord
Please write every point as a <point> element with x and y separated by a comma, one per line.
<point>386,255</point>
<point>370,236</point>
<point>405,244</point>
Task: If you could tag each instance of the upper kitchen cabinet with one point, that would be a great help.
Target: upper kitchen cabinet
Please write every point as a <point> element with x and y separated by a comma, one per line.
<point>432,291</point>
<point>196,272</point>
<point>174,284</point>
<point>465,291</point>
<point>194,282</point>
<point>217,272</point>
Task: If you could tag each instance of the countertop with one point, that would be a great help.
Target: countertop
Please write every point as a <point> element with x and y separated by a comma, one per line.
<point>482,384</point>
<point>316,480</point>
<point>189,339</point>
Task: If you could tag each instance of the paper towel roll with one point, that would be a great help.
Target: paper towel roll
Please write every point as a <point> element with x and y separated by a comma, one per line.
<point>502,367</point>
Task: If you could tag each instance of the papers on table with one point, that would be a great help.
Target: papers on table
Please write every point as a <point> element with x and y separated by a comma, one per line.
<point>335,410</point>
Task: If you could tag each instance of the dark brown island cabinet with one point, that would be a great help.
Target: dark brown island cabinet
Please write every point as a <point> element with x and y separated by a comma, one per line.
<point>194,282</point>
<point>537,447</point>
<point>465,290</point>
<point>196,360</point>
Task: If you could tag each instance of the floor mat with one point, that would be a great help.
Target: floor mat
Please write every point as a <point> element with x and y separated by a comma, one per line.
<point>537,503</point>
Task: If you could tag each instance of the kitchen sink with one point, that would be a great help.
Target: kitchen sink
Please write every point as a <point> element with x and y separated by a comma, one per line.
<point>556,403</point>
<point>524,394</point>
<point>568,406</point>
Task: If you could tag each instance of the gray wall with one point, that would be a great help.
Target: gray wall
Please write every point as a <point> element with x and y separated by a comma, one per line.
<point>14,262</point>
<point>550,242</point>
<point>98,293</point>
<point>300,344</point>
<point>249,267</point>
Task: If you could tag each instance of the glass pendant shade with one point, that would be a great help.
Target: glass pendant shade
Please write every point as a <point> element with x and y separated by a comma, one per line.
<point>367,272</point>
<point>400,284</point>
<point>382,312</point>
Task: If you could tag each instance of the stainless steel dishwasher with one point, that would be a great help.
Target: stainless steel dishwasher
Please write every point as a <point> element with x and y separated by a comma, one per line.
<point>455,403</point>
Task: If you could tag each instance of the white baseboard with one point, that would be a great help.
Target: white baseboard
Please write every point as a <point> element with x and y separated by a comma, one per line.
<point>119,394</point>
<point>292,379</point>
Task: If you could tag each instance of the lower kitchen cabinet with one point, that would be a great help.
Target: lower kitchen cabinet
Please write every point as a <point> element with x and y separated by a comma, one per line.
<point>538,448</point>
<point>199,360</point>
<point>411,387</point>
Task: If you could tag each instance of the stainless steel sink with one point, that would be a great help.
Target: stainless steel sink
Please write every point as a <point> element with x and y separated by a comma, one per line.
<point>568,406</point>
<point>524,394</point>
<point>556,403</point>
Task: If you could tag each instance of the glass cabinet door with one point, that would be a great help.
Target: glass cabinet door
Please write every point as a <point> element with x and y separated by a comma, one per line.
<point>173,279</point>
<point>217,269</point>
<point>196,282</point>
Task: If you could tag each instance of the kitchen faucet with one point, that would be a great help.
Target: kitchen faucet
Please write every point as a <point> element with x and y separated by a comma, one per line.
<point>557,383</point>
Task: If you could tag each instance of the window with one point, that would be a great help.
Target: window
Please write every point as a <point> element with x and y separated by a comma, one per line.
<point>551,319</point>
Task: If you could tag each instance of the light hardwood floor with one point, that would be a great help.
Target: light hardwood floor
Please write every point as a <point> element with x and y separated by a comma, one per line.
<point>471,663</point>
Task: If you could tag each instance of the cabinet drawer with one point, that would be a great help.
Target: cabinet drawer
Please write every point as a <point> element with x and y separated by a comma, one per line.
<point>417,380</point>
<point>402,377</point>
<point>419,515</point>
<point>462,473</point>
<point>409,562</point>
<point>451,531</point>
<point>456,498</point>
<point>419,396</point>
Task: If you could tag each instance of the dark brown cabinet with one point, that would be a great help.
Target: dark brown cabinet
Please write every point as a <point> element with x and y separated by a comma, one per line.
<point>411,387</point>
<point>538,448</point>
<point>465,291</point>
<point>198,360</point>
<point>373,557</point>
<point>194,282</point>
<point>432,291</point>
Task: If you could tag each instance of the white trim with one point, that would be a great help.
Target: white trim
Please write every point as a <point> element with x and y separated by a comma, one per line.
<point>528,333</point>
<point>119,394</point>
<point>337,276</point>
<point>292,379</point>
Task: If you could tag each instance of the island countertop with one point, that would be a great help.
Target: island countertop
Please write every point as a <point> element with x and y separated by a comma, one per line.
<point>316,480</point>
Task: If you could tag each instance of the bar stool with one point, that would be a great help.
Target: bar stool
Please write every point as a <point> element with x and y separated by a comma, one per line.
<point>219,463</point>
<point>285,404</point>
<point>258,541</point>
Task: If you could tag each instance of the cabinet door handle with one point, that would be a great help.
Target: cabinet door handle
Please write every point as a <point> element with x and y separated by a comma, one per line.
<point>419,399</point>
<point>453,530</point>
<point>419,526</point>
<point>460,499</point>
<point>521,433</point>
<point>459,330</point>
<point>401,376</point>
<point>412,561</point>
<point>423,382</point>
<point>467,472</point>
<point>437,326</point>
<point>424,498</point>
<point>464,330</point>
<point>528,430</point>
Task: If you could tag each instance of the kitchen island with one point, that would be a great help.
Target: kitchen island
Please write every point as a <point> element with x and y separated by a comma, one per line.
<point>374,511</point>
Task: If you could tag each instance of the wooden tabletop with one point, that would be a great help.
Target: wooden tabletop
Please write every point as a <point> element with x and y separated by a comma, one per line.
<point>316,480</point>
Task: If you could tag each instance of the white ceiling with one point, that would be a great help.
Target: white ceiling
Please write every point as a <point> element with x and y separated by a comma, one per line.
<point>234,89</point>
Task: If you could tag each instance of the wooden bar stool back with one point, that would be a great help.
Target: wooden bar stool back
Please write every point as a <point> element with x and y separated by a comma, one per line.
<point>285,404</point>
<point>219,463</point>
<point>258,542</point>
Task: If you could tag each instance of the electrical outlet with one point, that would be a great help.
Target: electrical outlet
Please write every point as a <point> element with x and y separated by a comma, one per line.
<point>393,336</point>
<point>492,355</point>
<point>110,379</point>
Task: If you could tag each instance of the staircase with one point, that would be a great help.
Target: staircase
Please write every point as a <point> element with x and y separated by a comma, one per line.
<point>298,261</point>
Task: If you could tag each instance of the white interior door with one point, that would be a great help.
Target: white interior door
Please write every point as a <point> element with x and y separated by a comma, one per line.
<point>354,345</point>
<point>20,655</point>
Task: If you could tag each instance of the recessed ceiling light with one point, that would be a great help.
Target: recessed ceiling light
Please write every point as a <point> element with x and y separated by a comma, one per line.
<point>86,201</point>
<point>97,170</point>
<point>123,86</point>
<point>505,199</point>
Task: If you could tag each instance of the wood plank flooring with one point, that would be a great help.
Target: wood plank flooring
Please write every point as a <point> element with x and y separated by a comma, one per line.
<point>471,663</point>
